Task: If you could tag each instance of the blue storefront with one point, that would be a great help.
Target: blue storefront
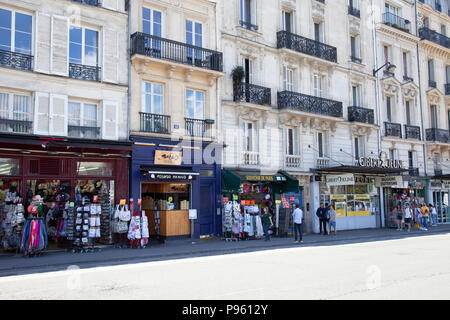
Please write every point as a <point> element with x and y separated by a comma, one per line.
<point>172,177</point>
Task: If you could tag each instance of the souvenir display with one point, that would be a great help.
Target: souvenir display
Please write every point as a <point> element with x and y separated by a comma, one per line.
<point>34,234</point>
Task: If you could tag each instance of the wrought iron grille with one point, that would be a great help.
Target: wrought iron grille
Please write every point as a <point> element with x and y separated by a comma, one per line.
<point>304,45</point>
<point>84,132</point>
<point>359,114</point>
<point>302,102</point>
<point>16,126</point>
<point>89,2</point>
<point>354,12</point>
<point>16,60</point>
<point>412,132</point>
<point>397,22</point>
<point>83,72</point>
<point>157,47</point>
<point>438,135</point>
<point>155,123</point>
<point>197,128</point>
<point>393,129</point>
<point>252,93</point>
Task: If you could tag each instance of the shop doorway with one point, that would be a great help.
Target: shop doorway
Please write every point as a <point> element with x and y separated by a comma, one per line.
<point>440,200</point>
<point>205,215</point>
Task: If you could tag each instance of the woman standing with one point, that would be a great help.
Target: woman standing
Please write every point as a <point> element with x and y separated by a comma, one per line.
<point>408,217</point>
<point>267,222</point>
<point>398,212</point>
<point>332,222</point>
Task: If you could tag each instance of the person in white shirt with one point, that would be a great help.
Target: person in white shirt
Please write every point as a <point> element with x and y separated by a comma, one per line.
<point>298,219</point>
<point>408,216</point>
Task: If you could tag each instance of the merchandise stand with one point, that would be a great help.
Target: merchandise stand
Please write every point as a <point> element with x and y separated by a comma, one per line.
<point>34,238</point>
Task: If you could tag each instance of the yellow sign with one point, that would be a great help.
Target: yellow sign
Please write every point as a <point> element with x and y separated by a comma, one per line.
<point>168,157</point>
<point>277,201</point>
<point>123,202</point>
<point>259,178</point>
<point>362,197</point>
<point>340,207</point>
<point>170,199</point>
<point>338,197</point>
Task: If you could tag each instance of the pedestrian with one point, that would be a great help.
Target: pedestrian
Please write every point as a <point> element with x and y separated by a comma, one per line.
<point>320,213</point>
<point>425,212</point>
<point>433,215</point>
<point>418,216</point>
<point>332,222</point>
<point>398,213</point>
<point>298,220</point>
<point>408,216</point>
<point>267,223</point>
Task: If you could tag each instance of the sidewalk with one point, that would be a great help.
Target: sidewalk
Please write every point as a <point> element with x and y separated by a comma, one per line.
<point>11,264</point>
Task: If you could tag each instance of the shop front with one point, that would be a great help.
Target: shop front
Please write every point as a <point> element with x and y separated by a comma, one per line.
<point>440,188</point>
<point>55,175</point>
<point>180,192</point>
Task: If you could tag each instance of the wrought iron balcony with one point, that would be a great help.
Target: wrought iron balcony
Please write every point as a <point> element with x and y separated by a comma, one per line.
<point>433,36</point>
<point>198,128</point>
<point>307,46</point>
<point>321,1</point>
<point>89,2</point>
<point>413,172</point>
<point>397,22</point>
<point>354,12</point>
<point>248,25</point>
<point>306,103</point>
<point>438,172</point>
<point>252,93</point>
<point>432,84</point>
<point>359,114</point>
<point>155,123</point>
<point>84,132</point>
<point>393,129</point>
<point>447,89</point>
<point>160,48</point>
<point>412,132</point>
<point>438,135</point>
<point>16,60</point>
<point>83,72</point>
<point>15,126</point>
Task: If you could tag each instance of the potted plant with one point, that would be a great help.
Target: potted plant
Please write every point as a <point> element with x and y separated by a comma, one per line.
<point>237,74</point>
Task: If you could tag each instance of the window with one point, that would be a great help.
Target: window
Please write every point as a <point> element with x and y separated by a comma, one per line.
<point>9,167</point>
<point>152,22</point>
<point>353,4</point>
<point>83,47</point>
<point>247,64</point>
<point>248,17</point>
<point>386,56</point>
<point>355,47</point>
<point>393,154</point>
<point>15,107</point>
<point>104,169</point>
<point>82,115</point>
<point>447,74</point>
<point>359,147</point>
<point>194,33</point>
<point>431,70</point>
<point>195,104</point>
<point>443,30</point>
<point>319,86</point>
<point>434,116</point>
<point>405,64</point>
<point>152,99</point>
<point>391,10</point>
<point>321,144</point>
<point>356,91</point>
<point>408,113</point>
<point>288,79</point>
<point>15,31</point>
<point>292,145</point>
<point>448,118</point>
<point>288,21</point>
<point>250,137</point>
<point>412,159</point>
<point>318,32</point>
<point>426,22</point>
<point>388,109</point>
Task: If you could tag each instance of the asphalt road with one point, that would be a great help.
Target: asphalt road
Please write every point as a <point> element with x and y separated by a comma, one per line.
<point>411,268</point>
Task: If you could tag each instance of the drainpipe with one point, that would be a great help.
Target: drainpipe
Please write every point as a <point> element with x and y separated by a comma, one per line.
<point>130,171</point>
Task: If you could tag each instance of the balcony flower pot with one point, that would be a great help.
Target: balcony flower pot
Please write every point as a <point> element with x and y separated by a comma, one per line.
<point>237,74</point>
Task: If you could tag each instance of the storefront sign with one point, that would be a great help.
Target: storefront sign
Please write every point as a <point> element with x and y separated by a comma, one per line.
<point>168,157</point>
<point>170,176</point>
<point>338,197</point>
<point>264,178</point>
<point>390,181</point>
<point>436,185</point>
<point>381,162</point>
<point>291,199</point>
<point>123,202</point>
<point>340,179</point>
<point>192,214</point>
<point>446,185</point>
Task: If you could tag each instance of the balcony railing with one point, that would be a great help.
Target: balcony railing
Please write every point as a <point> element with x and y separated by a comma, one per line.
<point>413,172</point>
<point>322,163</point>
<point>438,135</point>
<point>83,72</point>
<point>155,123</point>
<point>16,60</point>
<point>432,84</point>
<point>15,126</point>
<point>89,2</point>
<point>393,129</point>
<point>354,12</point>
<point>248,25</point>
<point>198,128</point>
<point>304,45</point>
<point>160,48</point>
<point>397,22</point>
<point>250,158</point>
<point>433,36</point>
<point>305,103</point>
<point>359,114</point>
<point>438,172</point>
<point>84,132</point>
<point>447,89</point>
<point>293,161</point>
<point>412,132</point>
<point>252,93</point>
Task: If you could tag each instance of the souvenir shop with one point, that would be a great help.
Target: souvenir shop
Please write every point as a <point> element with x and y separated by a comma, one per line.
<point>43,184</point>
<point>440,190</point>
<point>245,194</point>
<point>180,192</point>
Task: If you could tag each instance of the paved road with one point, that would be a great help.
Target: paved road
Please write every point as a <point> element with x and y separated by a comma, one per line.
<point>411,268</point>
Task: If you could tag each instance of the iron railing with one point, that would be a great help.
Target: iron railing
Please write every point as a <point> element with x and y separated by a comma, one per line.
<point>438,172</point>
<point>89,2</point>
<point>84,72</point>
<point>397,22</point>
<point>433,36</point>
<point>160,48</point>
<point>412,132</point>
<point>413,172</point>
<point>197,128</point>
<point>16,126</point>
<point>248,25</point>
<point>354,12</point>
<point>16,60</point>
<point>306,103</point>
<point>304,45</point>
<point>252,93</point>
<point>447,89</point>
<point>84,132</point>
<point>155,123</point>
<point>359,114</point>
<point>393,129</point>
<point>437,135</point>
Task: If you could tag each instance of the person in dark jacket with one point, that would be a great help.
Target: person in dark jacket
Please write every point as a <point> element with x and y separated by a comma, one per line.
<point>321,214</point>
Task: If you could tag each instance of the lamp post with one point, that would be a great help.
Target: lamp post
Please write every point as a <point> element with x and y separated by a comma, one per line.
<point>390,68</point>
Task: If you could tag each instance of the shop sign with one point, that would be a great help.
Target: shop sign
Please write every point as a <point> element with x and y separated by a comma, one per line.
<point>168,157</point>
<point>192,214</point>
<point>169,176</point>
<point>340,179</point>
<point>362,197</point>
<point>416,184</point>
<point>264,178</point>
<point>446,185</point>
<point>436,185</point>
<point>381,162</point>
<point>291,199</point>
<point>389,181</point>
<point>338,197</point>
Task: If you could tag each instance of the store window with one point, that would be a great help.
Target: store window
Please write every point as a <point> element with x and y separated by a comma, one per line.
<point>15,31</point>
<point>9,167</point>
<point>152,100</point>
<point>83,47</point>
<point>195,104</point>
<point>206,173</point>
<point>101,169</point>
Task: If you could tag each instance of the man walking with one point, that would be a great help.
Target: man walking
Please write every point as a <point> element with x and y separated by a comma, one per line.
<point>425,212</point>
<point>321,214</point>
<point>298,218</point>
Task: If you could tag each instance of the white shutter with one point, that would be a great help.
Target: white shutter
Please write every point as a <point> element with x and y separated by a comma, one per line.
<point>395,154</point>
<point>43,41</point>
<point>415,164</point>
<point>284,77</point>
<point>41,113</point>
<point>59,45</point>
<point>58,114</point>
<point>110,68</point>
<point>358,46</point>
<point>110,119</point>
<point>114,4</point>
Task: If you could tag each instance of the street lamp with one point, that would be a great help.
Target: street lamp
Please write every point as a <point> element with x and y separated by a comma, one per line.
<point>390,68</point>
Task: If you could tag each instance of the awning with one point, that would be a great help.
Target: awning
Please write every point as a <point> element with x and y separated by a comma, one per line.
<point>164,173</point>
<point>442,177</point>
<point>360,170</point>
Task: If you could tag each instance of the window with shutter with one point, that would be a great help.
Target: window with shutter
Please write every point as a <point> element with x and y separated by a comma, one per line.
<point>110,130</point>
<point>15,31</point>
<point>58,115</point>
<point>42,113</point>
<point>59,45</point>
